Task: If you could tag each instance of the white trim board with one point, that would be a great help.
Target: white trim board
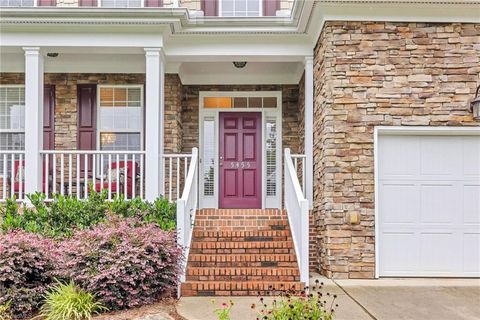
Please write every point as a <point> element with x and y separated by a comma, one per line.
<point>267,202</point>
<point>406,130</point>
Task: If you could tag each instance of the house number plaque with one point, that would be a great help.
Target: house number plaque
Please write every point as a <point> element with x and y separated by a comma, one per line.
<point>238,164</point>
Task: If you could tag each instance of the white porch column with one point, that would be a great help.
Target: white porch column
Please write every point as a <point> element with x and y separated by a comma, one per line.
<point>154,109</point>
<point>33,119</point>
<point>309,129</point>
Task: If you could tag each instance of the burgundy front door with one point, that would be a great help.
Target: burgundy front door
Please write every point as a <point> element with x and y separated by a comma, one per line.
<point>240,160</point>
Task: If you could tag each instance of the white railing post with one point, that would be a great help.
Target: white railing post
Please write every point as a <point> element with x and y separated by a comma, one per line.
<point>154,106</point>
<point>33,119</point>
<point>297,208</point>
<point>308,165</point>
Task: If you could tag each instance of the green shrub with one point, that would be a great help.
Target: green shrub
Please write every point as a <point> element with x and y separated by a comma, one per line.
<point>161,211</point>
<point>60,217</point>
<point>69,302</point>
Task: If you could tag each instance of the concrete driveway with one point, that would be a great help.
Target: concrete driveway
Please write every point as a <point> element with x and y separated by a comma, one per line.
<point>383,299</point>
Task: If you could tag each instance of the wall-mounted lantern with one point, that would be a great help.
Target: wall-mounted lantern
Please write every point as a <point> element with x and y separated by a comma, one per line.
<point>475,105</point>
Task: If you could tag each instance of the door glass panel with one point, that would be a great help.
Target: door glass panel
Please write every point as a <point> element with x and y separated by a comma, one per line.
<point>208,156</point>
<point>255,102</point>
<point>240,102</point>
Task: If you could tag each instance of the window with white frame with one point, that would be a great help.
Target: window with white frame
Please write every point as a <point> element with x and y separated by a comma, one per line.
<point>121,3</point>
<point>121,118</point>
<point>16,3</point>
<point>240,8</point>
<point>12,118</point>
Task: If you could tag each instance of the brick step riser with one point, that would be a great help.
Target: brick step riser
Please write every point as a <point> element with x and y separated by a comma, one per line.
<point>236,288</point>
<point>242,251</point>
<point>242,245</point>
<point>279,272</point>
<point>248,258</point>
<point>243,278</point>
<point>240,239</point>
<point>241,234</point>
<point>260,264</point>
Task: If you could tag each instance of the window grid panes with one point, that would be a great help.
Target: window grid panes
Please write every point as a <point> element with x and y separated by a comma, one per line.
<point>208,157</point>
<point>240,8</point>
<point>16,3</point>
<point>121,118</point>
<point>239,102</point>
<point>12,118</point>
<point>271,157</point>
<point>121,3</point>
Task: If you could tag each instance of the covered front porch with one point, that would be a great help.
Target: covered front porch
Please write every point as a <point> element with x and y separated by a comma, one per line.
<point>131,130</point>
<point>203,134</point>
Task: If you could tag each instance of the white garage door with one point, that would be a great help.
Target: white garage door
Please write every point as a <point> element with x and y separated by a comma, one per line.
<point>429,205</point>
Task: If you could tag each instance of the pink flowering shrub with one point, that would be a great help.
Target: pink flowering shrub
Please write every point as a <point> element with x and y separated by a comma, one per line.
<point>124,264</point>
<point>26,266</point>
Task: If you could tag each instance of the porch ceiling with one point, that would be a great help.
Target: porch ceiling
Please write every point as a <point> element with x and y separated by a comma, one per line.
<point>259,69</point>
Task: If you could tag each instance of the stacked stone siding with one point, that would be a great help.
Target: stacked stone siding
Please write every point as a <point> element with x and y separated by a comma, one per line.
<point>173,113</point>
<point>369,74</point>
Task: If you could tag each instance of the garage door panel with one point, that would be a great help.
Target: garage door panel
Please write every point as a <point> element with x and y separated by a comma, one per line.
<point>395,201</point>
<point>399,251</point>
<point>437,252</point>
<point>437,203</point>
<point>441,157</point>
<point>471,253</point>
<point>400,159</point>
<point>429,205</point>
<point>471,157</point>
<point>471,204</point>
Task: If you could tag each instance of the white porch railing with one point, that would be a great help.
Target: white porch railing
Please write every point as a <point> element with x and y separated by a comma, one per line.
<point>299,166</point>
<point>11,174</point>
<point>175,170</point>
<point>72,172</point>
<point>187,207</point>
<point>297,210</point>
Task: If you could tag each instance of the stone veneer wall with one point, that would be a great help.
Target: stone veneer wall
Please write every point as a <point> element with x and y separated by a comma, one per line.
<point>369,74</point>
<point>173,114</point>
<point>190,111</point>
<point>66,103</point>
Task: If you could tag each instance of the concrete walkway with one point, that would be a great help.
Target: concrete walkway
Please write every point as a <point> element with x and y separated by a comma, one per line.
<point>383,299</point>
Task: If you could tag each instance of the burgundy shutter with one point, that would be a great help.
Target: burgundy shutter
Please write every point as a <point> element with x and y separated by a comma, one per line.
<point>209,8</point>
<point>86,106</point>
<point>88,3</point>
<point>270,7</point>
<point>47,3</point>
<point>154,3</point>
<point>48,118</point>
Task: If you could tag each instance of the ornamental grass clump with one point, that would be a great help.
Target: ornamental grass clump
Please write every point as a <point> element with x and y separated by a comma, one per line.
<point>66,301</point>
<point>26,270</point>
<point>125,263</point>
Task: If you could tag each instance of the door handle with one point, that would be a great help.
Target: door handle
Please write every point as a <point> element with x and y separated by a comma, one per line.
<point>221,161</point>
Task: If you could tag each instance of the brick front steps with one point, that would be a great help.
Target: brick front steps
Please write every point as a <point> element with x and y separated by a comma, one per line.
<point>241,252</point>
